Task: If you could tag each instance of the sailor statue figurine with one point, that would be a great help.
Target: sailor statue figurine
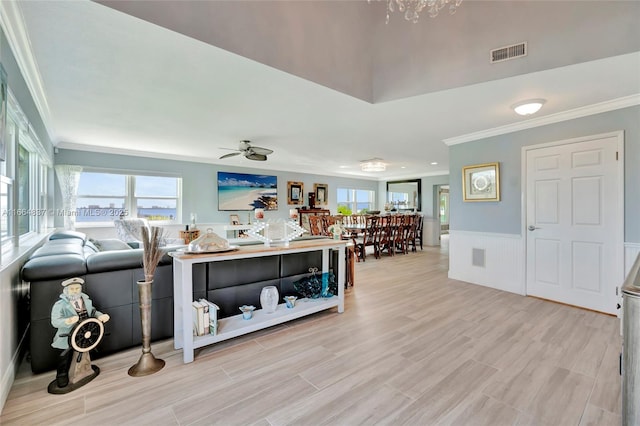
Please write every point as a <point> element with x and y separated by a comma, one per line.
<point>80,329</point>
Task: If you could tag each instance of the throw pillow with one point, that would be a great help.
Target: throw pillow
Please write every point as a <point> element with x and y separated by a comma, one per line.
<point>113,244</point>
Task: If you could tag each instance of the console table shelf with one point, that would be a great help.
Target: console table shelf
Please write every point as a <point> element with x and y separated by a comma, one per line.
<point>235,325</point>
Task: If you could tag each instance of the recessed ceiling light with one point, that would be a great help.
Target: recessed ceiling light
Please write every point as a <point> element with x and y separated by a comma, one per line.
<point>434,163</point>
<point>403,167</point>
<point>528,107</point>
<point>344,167</point>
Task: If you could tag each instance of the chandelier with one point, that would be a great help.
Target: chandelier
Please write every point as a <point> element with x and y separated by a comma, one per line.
<point>412,8</point>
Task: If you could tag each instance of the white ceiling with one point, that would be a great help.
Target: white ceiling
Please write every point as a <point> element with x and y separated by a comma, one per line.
<point>324,84</point>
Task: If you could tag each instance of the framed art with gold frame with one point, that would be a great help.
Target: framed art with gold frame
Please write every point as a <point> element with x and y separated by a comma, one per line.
<point>295,193</point>
<point>322,193</point>
<point>481,182</point>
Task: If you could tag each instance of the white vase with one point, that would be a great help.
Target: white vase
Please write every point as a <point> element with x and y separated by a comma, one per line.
<point>269,298</point>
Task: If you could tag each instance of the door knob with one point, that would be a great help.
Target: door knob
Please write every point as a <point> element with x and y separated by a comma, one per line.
<point>532,228</point>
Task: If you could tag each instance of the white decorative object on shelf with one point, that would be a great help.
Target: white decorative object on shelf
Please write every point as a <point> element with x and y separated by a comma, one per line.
<point>274,232</point>
<point>269,298</point>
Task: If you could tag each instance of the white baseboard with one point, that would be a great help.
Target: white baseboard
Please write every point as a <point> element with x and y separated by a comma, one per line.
<point>9,374</point>
<point>504,260</point>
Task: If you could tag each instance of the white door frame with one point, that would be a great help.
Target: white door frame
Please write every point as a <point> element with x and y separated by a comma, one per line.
<point>619,232</point>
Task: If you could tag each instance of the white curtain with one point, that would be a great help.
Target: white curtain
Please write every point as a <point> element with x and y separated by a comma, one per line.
<point>68,179</point>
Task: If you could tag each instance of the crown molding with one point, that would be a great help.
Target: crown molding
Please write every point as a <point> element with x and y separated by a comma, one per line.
<point>13,26</point>
<point>572,114</point>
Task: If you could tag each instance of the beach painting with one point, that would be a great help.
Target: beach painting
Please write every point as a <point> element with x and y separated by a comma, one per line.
<point>242,191</point>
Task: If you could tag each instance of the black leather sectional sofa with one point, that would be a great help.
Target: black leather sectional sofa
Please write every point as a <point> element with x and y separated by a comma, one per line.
<point>110,275</point>
<point>111,272</point>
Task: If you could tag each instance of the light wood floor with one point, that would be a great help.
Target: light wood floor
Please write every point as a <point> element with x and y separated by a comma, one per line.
<point>413,347</point>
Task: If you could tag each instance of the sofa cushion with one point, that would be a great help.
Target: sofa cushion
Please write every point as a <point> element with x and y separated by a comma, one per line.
<point>59,247</point>
<point>56,266</point>
<point>114,260</point>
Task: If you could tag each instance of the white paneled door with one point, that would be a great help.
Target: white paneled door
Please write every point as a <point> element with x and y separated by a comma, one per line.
<point>573,221</point>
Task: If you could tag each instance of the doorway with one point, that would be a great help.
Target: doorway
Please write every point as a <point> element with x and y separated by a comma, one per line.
<point>443,209</point>
<point>574,221</point>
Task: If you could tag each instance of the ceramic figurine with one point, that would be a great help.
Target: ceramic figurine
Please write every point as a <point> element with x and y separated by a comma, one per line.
<point>247,311</point>
<point>80,329</point>
<point>290,301</point>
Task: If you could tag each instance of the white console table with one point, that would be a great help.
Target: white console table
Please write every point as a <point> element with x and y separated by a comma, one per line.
<point>234,326</point>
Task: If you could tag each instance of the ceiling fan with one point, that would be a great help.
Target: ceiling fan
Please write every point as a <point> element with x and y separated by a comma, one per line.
<point>251,152</point>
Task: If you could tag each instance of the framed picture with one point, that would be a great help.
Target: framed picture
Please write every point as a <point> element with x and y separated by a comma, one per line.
<point>234,219</point>
<point>322,193</point>
<point>3,113</point>
<point>481,182</point>
<point>295,193</point>
<point>242,191</point>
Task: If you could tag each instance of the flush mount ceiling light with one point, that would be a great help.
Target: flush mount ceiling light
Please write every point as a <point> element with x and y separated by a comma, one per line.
<point>373,165</point>
<point>528,107</point>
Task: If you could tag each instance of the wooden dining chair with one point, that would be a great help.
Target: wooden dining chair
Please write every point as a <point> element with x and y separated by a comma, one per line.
<point>385,235</point>
<point>409,233</point>
<point>315,225</point>
<point>367,239</point>
<point>325,223</point>
<point>418,231</point>
<point>399,234</point>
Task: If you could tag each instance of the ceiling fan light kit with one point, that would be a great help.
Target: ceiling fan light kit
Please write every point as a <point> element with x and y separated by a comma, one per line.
<point>255,153</point>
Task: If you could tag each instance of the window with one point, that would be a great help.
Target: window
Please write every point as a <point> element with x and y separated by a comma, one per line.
<point>6,186</point>
<point>355,201</point>
<point>103,197</point>
<point>24,189</point>
<point>156,197</point>
<point>23,182</point>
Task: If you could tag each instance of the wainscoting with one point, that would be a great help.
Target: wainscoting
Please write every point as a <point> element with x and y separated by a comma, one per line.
<point>488,259</point>
<point>499,260</point>
<point>631,251</point>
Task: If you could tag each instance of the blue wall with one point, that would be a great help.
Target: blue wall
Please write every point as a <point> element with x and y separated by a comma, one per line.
<point>505,216</point>
<point>199,182</point>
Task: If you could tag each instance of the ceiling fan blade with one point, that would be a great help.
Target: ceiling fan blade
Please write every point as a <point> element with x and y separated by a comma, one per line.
<point>231,154</point>
<point>256,156</point>
<point>229,149</point>
<point>260,150</point>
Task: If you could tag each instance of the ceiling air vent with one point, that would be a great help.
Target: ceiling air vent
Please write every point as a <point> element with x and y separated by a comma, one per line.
<point>508,52</point>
